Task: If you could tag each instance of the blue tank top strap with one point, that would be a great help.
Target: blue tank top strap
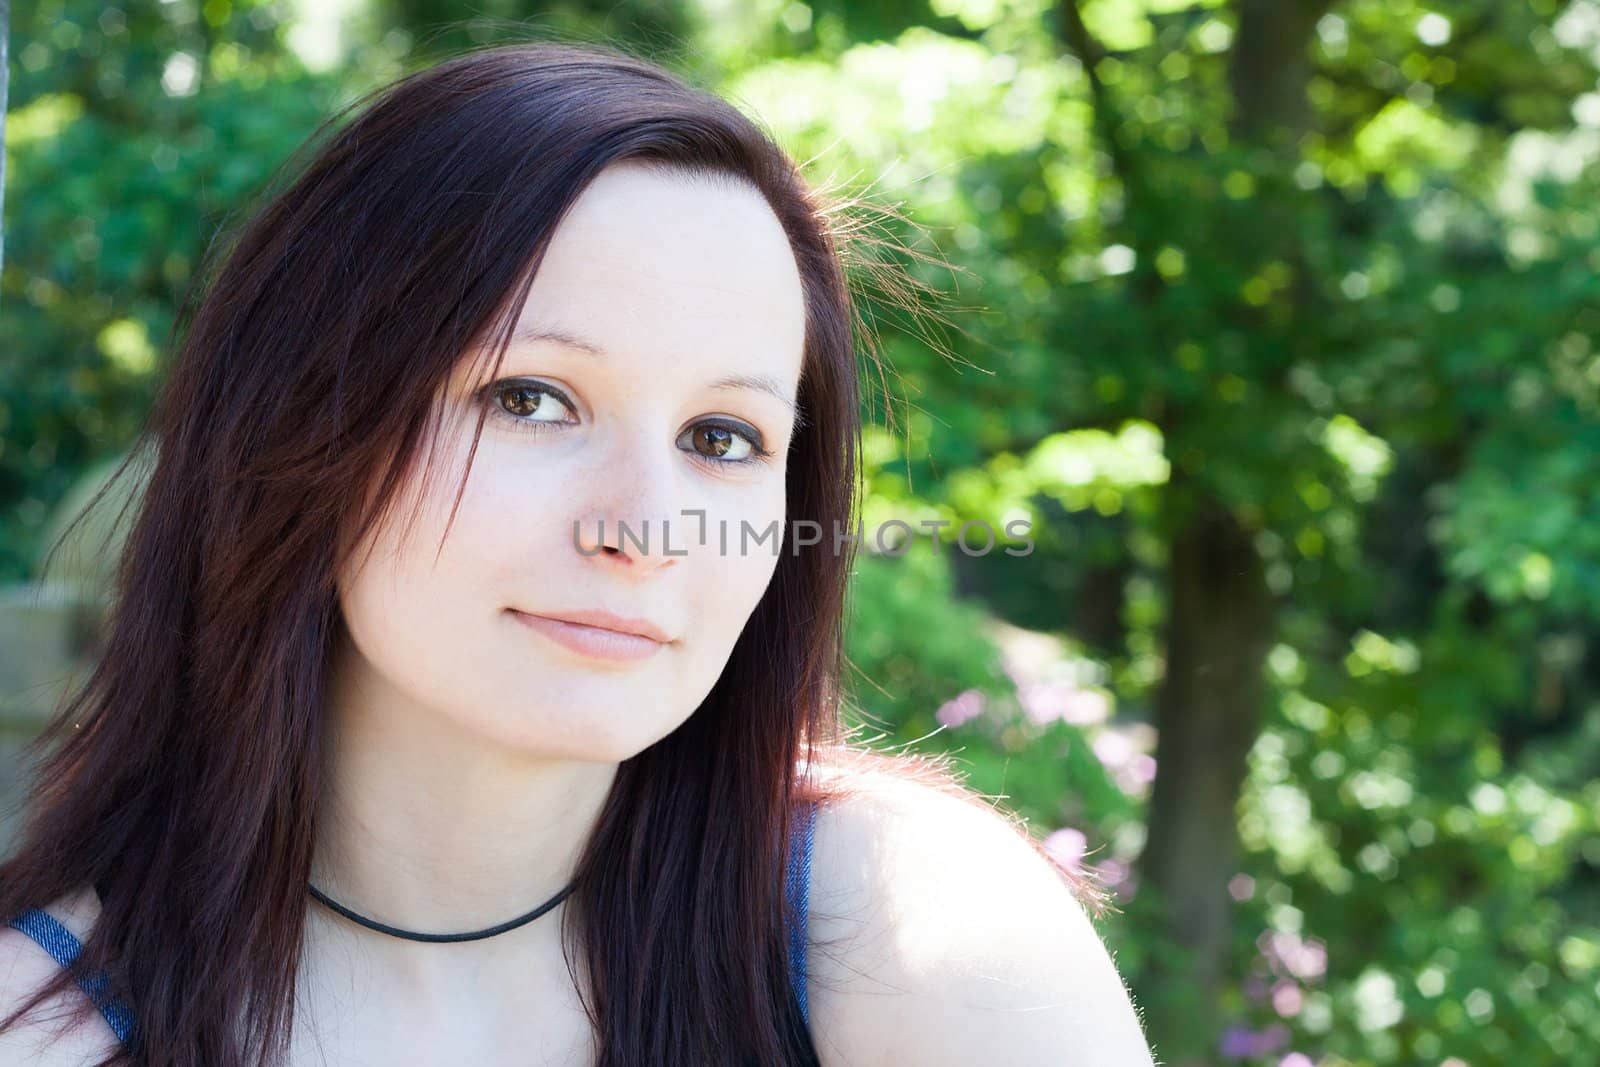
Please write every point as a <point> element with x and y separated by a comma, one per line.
<point>64,947</point>
<point>798,887</point>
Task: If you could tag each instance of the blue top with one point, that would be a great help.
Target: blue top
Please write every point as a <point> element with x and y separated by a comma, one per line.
<point>797,888</point>
<point>60,942</point>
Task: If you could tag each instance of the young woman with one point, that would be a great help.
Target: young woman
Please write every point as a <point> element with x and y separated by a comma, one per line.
<point>458,703</point>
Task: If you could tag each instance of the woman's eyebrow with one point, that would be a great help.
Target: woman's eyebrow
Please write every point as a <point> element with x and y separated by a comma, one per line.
<point>758,382</point>
<point>527,335</point>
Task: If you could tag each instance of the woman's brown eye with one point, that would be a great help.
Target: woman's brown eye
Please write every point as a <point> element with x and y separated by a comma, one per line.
<point>523,401</point>
<point>717,439</point>
<point>721,443</point>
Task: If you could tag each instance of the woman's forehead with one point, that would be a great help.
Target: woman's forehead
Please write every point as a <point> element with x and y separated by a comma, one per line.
<point>664,267</point>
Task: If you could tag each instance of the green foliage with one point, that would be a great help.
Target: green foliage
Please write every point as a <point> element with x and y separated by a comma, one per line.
<point>132,136</point>
<point>1378,353</point>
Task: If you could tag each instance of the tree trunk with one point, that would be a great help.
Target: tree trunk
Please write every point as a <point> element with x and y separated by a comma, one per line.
<point>1221,622</point>
<point>1208,714</point>
<point>1269,68</point>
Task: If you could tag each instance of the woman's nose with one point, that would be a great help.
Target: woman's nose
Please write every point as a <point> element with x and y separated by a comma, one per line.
<point>631,504</point>
<point>642,548</point>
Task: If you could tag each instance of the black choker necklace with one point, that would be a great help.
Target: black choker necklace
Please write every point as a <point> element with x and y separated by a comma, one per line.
<point>383,928</point>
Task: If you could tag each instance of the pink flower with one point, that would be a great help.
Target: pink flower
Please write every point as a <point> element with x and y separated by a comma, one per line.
<point>1118,877</point>
<point>1131,768</point>
<point>1141,769</point>
<point>964,706</point>
<point>1048,702</point>
<point>1112,748</point>
<point>1067,846</point>
<point>1287,999</point>
<point>1303,958</point>
<point>1241,1044</point>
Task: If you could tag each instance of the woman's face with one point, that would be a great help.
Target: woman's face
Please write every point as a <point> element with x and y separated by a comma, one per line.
<point>684,312</point>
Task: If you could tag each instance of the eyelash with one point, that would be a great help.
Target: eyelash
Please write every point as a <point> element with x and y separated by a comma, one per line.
<point>491,395</point>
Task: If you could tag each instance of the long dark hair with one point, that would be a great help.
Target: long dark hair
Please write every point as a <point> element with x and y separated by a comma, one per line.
<point>182,778</point>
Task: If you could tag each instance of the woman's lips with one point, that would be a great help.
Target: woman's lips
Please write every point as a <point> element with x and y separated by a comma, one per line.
<point>593,641</point>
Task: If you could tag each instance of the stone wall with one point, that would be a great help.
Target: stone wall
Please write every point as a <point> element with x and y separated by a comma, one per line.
<point>49,625</point>
<point>46,635</point>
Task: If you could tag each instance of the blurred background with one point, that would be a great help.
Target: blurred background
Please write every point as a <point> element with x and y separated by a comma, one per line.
<point>1277,320</point>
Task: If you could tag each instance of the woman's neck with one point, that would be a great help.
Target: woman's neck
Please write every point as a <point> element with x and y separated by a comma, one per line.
<point>428,826</point>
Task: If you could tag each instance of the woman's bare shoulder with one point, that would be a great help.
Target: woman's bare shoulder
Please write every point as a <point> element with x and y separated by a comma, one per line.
<point>940,936</point>
<point>48,1036</point>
